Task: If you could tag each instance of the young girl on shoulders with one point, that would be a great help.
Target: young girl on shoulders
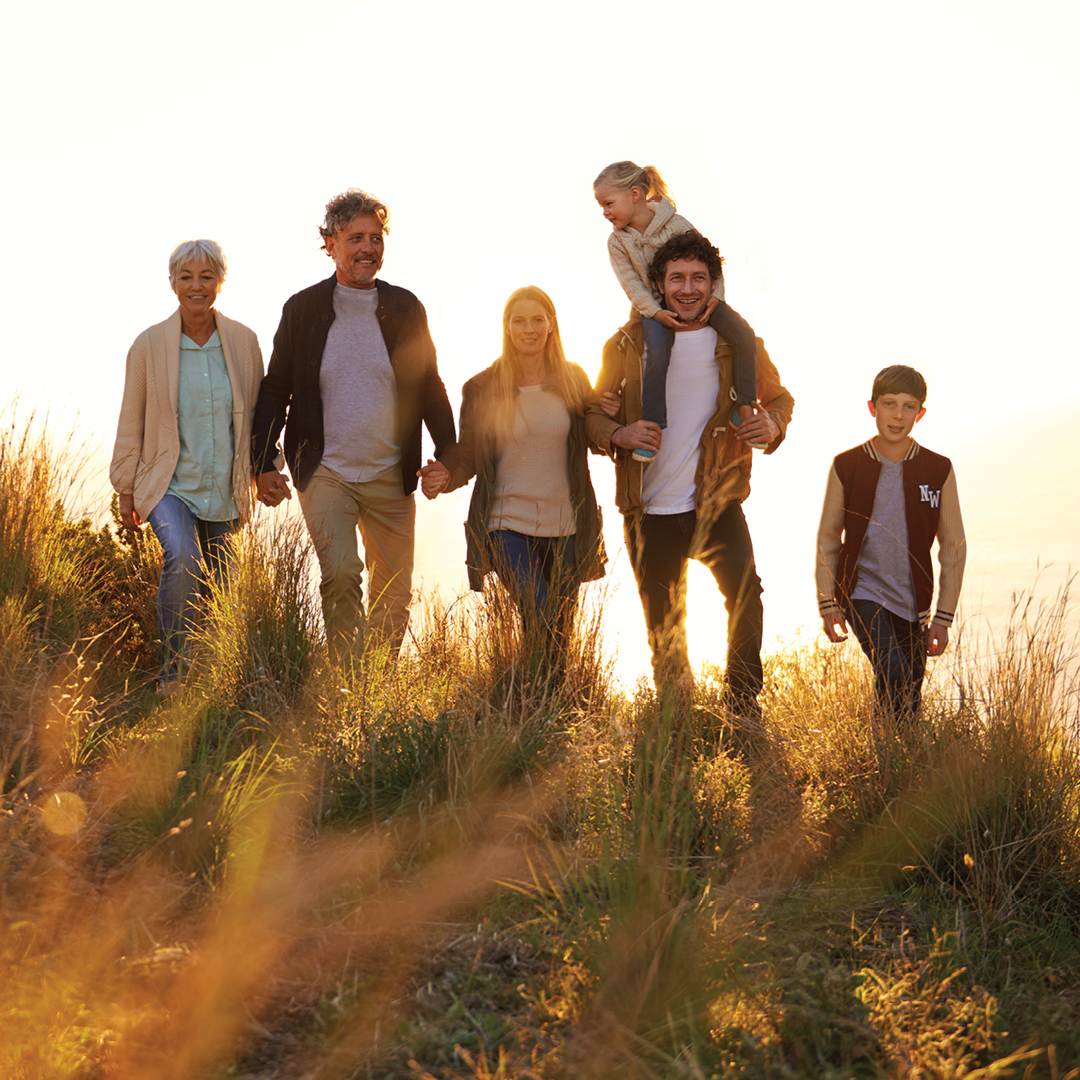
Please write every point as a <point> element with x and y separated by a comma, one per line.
<point>641,210</point>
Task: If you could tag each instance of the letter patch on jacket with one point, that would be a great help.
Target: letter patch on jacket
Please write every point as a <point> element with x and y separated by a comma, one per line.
<point>932,497</point>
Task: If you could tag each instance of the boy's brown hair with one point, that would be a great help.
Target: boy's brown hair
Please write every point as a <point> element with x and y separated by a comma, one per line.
<point>899,379</point>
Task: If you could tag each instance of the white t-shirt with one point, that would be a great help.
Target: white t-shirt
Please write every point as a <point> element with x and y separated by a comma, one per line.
<point>693,383</point>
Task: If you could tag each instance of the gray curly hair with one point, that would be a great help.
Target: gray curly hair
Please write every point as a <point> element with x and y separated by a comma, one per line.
<point>341,209</point>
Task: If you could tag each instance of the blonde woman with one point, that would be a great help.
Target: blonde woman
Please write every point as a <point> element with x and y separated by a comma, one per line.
<point>182,458</point>
<point>533,517</point>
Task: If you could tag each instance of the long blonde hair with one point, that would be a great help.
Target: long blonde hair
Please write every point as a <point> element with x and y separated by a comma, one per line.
<point>559,373</point>
<point>625,174</point>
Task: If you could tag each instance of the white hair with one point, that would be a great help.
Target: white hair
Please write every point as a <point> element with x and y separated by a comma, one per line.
<point>197,251</point>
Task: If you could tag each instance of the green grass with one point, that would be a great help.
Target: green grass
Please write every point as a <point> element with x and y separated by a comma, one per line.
<point>452,865</point>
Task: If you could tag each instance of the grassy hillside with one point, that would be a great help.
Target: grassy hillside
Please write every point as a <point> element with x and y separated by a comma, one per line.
<point>448,866</point>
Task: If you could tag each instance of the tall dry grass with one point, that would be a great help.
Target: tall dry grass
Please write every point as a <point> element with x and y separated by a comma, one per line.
<point>455,863</point>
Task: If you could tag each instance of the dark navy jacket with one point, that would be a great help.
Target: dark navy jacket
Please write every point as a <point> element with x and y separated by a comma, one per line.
<point>291,384</point>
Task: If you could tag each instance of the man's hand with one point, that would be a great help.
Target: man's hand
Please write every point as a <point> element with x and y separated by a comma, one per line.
<point>610,403</point>
<point>128,517</point>
<point>640,435</point>
<point>758,431</point>
<point>836,628</point>
<point>272,488</point>
<point>937,638</point>
<point>434,477</point>
<point>668,319</point>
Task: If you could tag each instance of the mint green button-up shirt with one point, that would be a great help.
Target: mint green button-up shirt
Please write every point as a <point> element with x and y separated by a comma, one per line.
<point>203,476</point>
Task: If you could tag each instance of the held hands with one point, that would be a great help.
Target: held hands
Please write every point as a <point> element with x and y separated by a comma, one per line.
<point>434,477</point>
<point>273,488</point>
<point>128,517</point>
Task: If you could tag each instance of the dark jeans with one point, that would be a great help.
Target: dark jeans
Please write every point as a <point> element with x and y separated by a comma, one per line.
<point>189,544</point>
<point>731,326</point>
<point>537,571</point>
<point>660,546</point>
<point>896,649</point>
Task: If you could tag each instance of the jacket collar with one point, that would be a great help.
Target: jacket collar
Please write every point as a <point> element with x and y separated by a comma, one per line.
<point>871,450</point>
<point>329,284</point>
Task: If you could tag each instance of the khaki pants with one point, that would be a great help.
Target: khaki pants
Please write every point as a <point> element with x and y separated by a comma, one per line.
<point>333,509</point>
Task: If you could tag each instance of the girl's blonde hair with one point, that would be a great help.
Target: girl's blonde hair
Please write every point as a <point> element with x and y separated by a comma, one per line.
<point>560,374</point>
<point>625,174</point>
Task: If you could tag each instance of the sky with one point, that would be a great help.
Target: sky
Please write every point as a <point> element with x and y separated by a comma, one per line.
<point>888,182</point>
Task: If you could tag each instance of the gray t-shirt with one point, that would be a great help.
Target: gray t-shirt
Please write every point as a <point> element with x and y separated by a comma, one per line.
<point>884,563</point>
<point>359,393</point>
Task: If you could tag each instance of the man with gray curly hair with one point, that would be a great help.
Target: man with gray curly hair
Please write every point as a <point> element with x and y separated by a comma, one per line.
<point>354,372</point>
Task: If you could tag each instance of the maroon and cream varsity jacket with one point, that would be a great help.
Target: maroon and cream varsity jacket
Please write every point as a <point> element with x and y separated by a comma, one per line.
<point>931,509</point>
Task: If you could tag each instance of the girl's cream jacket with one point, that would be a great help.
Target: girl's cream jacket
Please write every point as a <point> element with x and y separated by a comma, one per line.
<point>631,253</point>
<point>147,435</point>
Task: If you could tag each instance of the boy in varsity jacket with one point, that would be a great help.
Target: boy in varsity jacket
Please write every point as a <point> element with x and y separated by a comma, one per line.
<point>885,502</point>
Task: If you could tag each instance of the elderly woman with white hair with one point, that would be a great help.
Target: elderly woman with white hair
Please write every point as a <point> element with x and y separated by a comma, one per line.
<point>182,459</point>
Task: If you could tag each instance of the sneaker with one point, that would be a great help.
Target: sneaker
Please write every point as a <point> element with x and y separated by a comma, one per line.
<point>644,455</point>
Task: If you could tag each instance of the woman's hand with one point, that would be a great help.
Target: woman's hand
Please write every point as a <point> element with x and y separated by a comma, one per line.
<point>668,319</point>
<point>128,517</point>
<point>610,403</point>
<point>434,477</point>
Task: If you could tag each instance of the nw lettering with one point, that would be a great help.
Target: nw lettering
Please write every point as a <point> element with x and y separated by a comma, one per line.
<point>932,497</point>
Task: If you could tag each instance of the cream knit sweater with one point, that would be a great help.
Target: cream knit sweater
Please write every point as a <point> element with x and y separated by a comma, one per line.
<point>631,252</point>
<point>532,479</point>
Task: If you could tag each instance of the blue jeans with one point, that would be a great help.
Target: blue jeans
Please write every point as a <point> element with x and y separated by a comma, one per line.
<point>658,341</point>
<point>189,544</point>
<point>731,326</point>
<point>537,571</point>
<point>896,649</point>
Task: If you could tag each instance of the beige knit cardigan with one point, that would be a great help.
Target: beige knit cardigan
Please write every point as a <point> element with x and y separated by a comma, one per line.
<point>148,437</point>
